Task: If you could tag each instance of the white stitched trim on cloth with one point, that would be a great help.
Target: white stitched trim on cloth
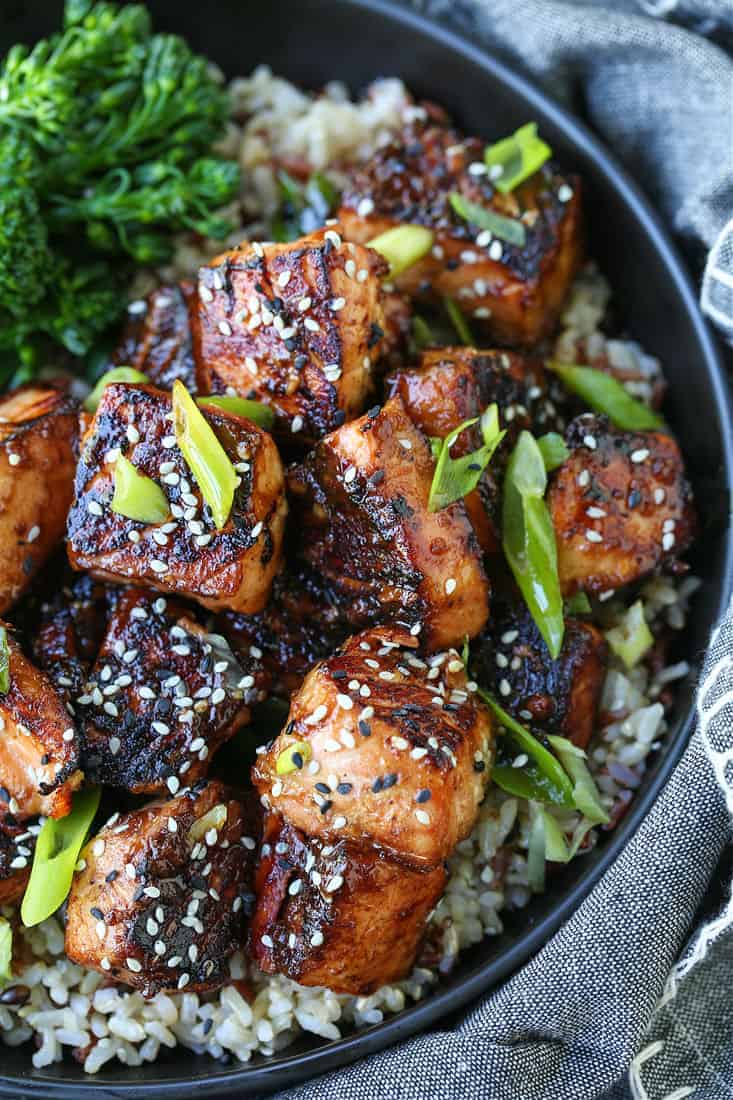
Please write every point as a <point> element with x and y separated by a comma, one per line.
<point>716,296</point>
<point>637,1086</point>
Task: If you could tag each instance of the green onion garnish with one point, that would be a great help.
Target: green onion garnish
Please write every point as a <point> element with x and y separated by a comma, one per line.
<point>285,764</point>
<point>454,478</point>
<point>57,851</point>
<point>585,792</point>
<point>606,395</point>
<point>459,322</point>
<point>255,411</point>
<point>402,247</point>
<point>4,662</point>
<point>632,638</point>
<point>137,496</point>
<point>205,457</point>
<point>547,842</point>
<point>506,229</point>
<point>117,374</point>
<point>422,334</point>
<point>553,450</point>
<point>578,604</point>
<point>542,778</point>
<point>516,158</point>
<point>529,540</point>
<point>6,951</point>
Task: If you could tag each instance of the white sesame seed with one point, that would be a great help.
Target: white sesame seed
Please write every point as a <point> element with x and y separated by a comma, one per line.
<point>640,455</point>
<point>659,496</point>
<point>158,566</point>
<point>173,784</point>
<point>564,192</point>
<point>496,251</point>
<point>422,817</point>
<point>14,459</point>
<point>505,687</point>
<point>668,540</point>
<point>296,424</point>
<point>132,433</point>
<point>590,442</point>
<point>365,207</point>
<point>225,328</point>
<point>95,508</point>
<point>583,478</point>
<point>283,278</point>
<point>595,513</point>
<point>33,533</point>
<point>316,939</point>
<point>337,304</point>
<point>256,530</point>
<point>593,536</point>
<point>450,586</point>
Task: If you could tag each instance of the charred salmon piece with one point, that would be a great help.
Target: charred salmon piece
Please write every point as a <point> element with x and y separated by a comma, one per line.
<point>69,632</point>
<point>388,746</point>
<point>301,624</point>
<point>38,440</point>
<point>39,745</point>
<point>514,292</point>
<point>513,663</point>
<point>361,499</point>
<point>17,844</point>
<point>620,504</point>
<point>451,385</point>
<point>341,915</point>
<point>161,901</point>
<point>229,568</point>
<point>157,337</point>
<point>299,326</point>
<point>162,697</point>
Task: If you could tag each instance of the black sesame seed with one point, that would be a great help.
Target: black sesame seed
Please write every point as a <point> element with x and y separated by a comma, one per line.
<point>138,893</point>
<point>365,729</point>
<point>377,785</point>
<point>297,759</point>
<point>111,876</point>
<point>423,795</point>
<point>208,1024</point>
<point>284,863</point>
<point>97,912</point>
<point>374,411</point>
<point>634,498</point>
<point>375,335</point>
<point>326,806</point>
<point>451,265</point>
<point>45,759</point>
<point>339,417</point>
<point>377,477</point>
<point>344,788</point>
<point>339,674</point>
<point>323,788</point>
<point>479,766</point>
<point>300,361</point>
<point>390,780</point>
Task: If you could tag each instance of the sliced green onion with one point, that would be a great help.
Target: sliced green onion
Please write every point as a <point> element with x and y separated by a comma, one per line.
<point>422,334</point>
<point>606,395</point>
<point>205,457</point>
<point>117,374</point>
<point>57,851</point>
<point>506,229</point>
<point>536,858</point>
<point>516,158</point>
<point>578,604</point>
<point>542,778</point>
<point>215,818</point>
<point>465,651</point>
<point>632,638</point>
<point>459,322</point>
<point>402,247</point>
<point>4,662</point>
<point>529,540</point>
<point>585,792</point>
<point>6,951</point>
<point>547,842</point>
<point>321,195</point>
<point>454,478</point>
<point>553,450</point>
<point>285,764</point>
<point>137,496</point>
<point>255,411</point>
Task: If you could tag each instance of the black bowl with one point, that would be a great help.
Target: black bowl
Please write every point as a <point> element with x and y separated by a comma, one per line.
<point>310,42</point>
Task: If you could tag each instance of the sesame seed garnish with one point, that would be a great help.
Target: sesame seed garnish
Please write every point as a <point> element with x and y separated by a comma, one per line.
<point>450,586</point>
<point>659,496</point>
<point>297,424</point>
<point>593,536</point>
<point>564,192</point>
<point>590,442</point>
<point>422,817</point>
<point>95,508</point>
<point>132,433</point>
<point>640,455</point>
<point>158,566</point>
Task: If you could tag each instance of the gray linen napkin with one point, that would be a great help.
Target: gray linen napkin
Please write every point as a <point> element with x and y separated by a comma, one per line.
<point>608,1008</point>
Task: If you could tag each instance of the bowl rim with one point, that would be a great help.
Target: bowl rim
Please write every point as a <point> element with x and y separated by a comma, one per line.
<point>288,1069</point>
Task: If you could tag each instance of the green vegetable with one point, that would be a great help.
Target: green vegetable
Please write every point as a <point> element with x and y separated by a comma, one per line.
<point>402,247</point>
<point>117,374</point>
<point>137,496</point>
<point>4,662</point>
<point>57,851</point>
<point>578,604</point>
<point>459,322</point>
<point>516,158</point>
<point>547,842</point>
<point>454,478</point>
<point>506,229</point>
<point>585,792</point>
<point>105,129</point>
<point>6,951</point>
<point>632,638</point>
<point>529,540</point>
<point>253,410</point>
<point>285,764</point>
<point>542,778</point>
<point>606,395</point>
<point>553,450</point>
<point>303,208</point>
<point>422,334</point>
<point>206,458</point>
